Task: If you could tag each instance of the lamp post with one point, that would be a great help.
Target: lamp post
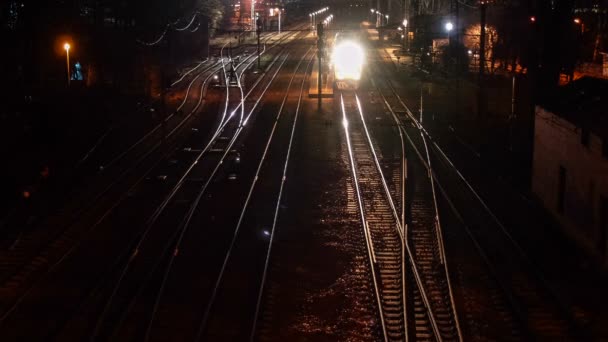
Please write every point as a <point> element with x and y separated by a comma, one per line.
<point>66,47</point>
<point>279,20</point>
<point>578,21</point>
<point>449,27</point>
<point>405,34</point>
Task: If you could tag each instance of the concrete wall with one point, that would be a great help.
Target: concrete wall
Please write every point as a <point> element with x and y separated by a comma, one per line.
<point>558,142</point>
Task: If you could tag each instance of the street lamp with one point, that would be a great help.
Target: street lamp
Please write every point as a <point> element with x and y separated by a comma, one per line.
<point>449,27</point>
<point>66,47</point>
<point>405,35</point>
<point>578,21</point>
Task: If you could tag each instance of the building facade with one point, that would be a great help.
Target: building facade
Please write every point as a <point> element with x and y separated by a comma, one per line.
<point>570,169</point>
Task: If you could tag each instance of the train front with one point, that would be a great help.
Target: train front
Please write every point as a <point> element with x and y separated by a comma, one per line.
<point>347,60</point>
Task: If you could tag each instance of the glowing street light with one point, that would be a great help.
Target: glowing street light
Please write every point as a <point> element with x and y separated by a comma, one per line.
<point>404,35</point>
<point>578,21</point>
<point>67,47</point>
<point>449,27</point>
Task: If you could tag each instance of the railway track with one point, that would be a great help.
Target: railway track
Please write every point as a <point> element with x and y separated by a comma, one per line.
<point>128,289</point>
<point>431,313</point>
<point>247,256</point>
<point>202,171</point>
<point>526,307</point>
<point>425,236</point>
<point>64,240</point>
<point>384,237</point>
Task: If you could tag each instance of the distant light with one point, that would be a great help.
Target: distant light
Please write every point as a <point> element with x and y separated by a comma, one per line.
<point>532,19</point>
<point>404,22</point>
<point>386,16</point>
<point>449,26</point>
<point>266,232</point>
<point>577,20</point>
<point>373,10</point>
<point>66,46</point>
<point>470,52</point>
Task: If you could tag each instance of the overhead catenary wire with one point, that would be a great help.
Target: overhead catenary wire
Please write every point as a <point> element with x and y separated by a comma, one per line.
<point>171,25</point>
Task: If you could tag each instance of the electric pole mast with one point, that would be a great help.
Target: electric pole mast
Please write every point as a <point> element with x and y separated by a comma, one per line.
<point>320,35</point>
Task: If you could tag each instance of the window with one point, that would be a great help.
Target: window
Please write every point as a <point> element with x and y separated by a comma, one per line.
<point>561,189</point>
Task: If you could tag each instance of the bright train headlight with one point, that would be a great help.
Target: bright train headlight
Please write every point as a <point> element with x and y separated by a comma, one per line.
<point>348,59</point>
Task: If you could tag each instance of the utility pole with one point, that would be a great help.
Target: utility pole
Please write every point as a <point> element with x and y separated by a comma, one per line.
<point>512,116</point>
<point>319,55</point>
<point>481,95</point>
<point>482,38</point>
<point>257,32</point>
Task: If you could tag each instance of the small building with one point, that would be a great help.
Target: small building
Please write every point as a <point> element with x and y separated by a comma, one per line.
<point>570,167</point>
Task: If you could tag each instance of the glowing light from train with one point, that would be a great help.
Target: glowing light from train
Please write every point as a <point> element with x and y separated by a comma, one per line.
<point>348,59</point>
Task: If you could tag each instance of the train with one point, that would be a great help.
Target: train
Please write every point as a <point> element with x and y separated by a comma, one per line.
<point>347,60</point>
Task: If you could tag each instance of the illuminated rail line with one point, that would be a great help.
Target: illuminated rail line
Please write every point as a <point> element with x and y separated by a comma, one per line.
<point>521,287</point>
<point>229,124</point>
<point>62,235</point>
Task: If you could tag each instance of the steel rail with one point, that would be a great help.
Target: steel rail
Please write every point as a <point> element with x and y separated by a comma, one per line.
<point>168,199</point>
<point>69,252</point>
<point>400,227</point>
<point>405,245</point>
<point>538,274</point>
<point>116,203</point>
<point>189,216</point>
<point>185,221</point>
<point>438,228</point>
<point>153,218</point>
<point>363,220</point>
<point>189,72</point>
<point>219,278</point>
<point>284,177</point>
<point>158,126</point>
<point>457,213</point>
